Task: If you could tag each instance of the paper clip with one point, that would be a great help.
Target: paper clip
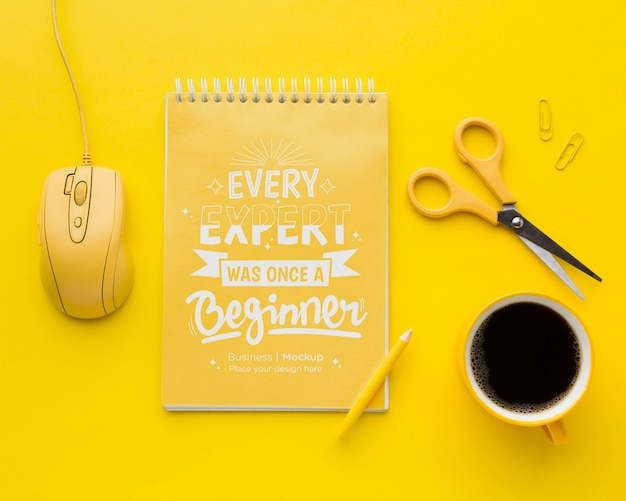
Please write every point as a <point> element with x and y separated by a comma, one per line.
<point>545,120</point>
<point>570,150</point>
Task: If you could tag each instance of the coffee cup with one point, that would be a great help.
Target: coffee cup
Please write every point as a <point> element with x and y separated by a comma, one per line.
<point>527,359</point>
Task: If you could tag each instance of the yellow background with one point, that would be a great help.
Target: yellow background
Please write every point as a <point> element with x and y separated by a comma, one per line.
<point>81,415</point>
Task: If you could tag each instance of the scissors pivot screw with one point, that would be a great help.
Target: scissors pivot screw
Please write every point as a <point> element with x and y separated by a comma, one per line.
<point>517,222</point>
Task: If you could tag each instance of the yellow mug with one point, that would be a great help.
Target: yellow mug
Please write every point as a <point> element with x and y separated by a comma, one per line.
<point>527,359</point>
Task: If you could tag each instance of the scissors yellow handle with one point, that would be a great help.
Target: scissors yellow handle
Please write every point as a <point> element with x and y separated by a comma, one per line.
<point>460,199</point>
<point>487,168</point>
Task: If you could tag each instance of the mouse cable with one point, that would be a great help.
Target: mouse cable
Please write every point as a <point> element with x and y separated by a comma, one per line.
<point>86,155</point>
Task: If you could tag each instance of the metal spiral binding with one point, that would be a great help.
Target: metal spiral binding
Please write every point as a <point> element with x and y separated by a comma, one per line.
<point>268,90</point>
<point>281,90</point>
<point>205,90</point>
<point>294,90</point>
<point>333,90</point>
<point>243,97</point>
<point>230,90</point>
<point>320,90</point>
<point>192,91</point>
<point>307,95</point>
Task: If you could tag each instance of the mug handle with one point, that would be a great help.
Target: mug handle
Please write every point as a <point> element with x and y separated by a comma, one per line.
<point>556,432</point>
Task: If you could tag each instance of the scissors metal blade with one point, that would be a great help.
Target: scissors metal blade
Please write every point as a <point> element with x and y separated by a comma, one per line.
<point>522,227</point>
<point>553,264</point>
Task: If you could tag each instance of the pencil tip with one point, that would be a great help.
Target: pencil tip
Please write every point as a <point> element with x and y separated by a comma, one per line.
<point>406,336</point>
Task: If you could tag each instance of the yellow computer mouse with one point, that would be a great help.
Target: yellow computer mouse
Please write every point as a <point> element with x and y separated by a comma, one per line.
<point>85,268</point>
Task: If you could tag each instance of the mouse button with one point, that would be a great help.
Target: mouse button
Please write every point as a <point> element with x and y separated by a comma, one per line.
<point>80,202</point>
<point>78,228</point>
<point>80,193</point>
<point>69,182</point>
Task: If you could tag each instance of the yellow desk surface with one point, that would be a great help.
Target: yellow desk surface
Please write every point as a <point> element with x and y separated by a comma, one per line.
<point>81,416</point>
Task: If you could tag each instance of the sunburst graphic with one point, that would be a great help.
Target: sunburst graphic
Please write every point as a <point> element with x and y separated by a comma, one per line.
<point>263,152</point>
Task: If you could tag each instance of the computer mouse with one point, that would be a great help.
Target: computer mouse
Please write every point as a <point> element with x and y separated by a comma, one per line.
<point>85,267</point>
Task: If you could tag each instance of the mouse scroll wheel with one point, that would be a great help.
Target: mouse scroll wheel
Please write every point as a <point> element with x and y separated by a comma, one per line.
<point>80,193</point>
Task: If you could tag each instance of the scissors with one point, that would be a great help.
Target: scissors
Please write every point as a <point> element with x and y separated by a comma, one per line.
<point>488,169</point>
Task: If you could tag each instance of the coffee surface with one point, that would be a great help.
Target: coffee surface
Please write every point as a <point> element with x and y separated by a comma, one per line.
<point>525,357</point>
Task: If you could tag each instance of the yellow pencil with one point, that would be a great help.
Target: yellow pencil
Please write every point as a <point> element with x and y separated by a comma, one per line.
<point>374,383</point>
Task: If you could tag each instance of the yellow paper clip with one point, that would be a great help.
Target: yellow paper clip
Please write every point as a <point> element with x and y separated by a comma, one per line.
<point>545,120</point>
<point>570,150</point>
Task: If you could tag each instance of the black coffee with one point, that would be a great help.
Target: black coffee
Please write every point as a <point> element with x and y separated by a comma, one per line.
<point>525,357</point>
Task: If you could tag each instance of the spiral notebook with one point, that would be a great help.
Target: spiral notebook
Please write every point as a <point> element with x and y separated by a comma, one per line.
<point>275,253</point>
